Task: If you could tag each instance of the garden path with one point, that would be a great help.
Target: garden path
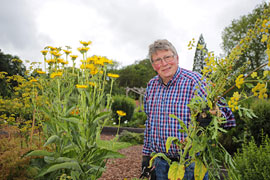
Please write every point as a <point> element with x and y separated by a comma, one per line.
<point>128,167</point>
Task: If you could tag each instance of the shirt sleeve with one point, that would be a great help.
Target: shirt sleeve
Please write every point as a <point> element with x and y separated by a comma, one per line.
<point>147,142</point>
<point>227,113</point>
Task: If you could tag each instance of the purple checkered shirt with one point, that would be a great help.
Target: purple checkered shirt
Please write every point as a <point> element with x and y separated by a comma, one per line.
<point>161,100</point>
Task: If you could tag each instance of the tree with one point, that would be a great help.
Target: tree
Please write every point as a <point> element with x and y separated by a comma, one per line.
<point>239,29</point>
<point>200,55</point>
<point>137,74</point>
<point>12,65</point>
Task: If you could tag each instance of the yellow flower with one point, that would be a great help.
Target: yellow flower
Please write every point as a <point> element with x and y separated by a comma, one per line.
<point>33,80</point>
<point>67,52</point>
<point>254,74</point>
<point>52,48</point>
<point>264,38</point>
<point>265,73</point>
<point>260,91</point>
<point>92,84</point>
<point>233,102</point>
<point>121,113</point>
<point>86,43</point>
<point>60,60</point>
<point>81,86</point>
<point>83,49</point>
<point>56,54</point>
<point>94,71</point>
<point>2,74</point>
<point>73,57</point>
<point>56,74</point>
<point>113,75</point>
<point>41,72</point>
<point>50,61</point>
<point>90,66</point>
<point>239,81</point>
<point>200,47</point>
<point>44,52</point>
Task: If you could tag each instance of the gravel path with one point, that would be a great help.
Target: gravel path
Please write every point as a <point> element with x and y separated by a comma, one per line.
<point>128,167</point>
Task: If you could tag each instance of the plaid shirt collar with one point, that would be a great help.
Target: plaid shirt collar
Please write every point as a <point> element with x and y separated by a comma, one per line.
<point>176,75</point>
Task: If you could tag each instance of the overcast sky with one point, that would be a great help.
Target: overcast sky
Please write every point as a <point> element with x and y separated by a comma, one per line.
<point>119,29</point>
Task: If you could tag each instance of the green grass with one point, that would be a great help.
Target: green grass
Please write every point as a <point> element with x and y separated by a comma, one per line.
<point>113,144</point>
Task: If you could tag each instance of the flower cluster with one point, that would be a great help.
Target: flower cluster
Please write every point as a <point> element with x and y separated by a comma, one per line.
<point>260,91</point>
<point>210,64</point>
<point>233,103</point>
<point>239,81</point>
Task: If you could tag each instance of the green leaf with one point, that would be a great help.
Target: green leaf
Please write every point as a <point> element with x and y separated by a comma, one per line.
<point>169,142</point>
<point>39,153</point>
<point>112,154</point>
<point>199,170</point>
<point>101,116</point>
<point>155,155</point>
<point>182,124</point>
<point>249,85</point>
<point>63,159</point>
<point>65,165</point>
<point>176,171</point>
<point>51,140</point>
<point>209,103</point>
<point>71,119</point>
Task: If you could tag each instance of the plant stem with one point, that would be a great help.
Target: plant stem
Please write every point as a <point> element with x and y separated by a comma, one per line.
<point>228,90</point>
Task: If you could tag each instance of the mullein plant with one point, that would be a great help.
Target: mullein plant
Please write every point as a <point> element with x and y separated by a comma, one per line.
<point>201,144</point>
<point>75,108</point>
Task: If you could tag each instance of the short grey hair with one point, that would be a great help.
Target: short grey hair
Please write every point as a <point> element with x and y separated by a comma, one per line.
<point>161,44</point>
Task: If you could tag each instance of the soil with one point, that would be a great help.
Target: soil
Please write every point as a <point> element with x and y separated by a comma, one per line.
<point>125,168</point>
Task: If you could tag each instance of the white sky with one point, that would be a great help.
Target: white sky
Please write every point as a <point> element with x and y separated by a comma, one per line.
<point>119,29</point>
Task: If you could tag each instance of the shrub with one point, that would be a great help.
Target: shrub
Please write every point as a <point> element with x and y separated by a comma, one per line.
<point>130,137</point>
<point>253,162</point>
<point>125,104</point>
<point>261,108</point>
<point>138,119</point>
<point>247,127</point>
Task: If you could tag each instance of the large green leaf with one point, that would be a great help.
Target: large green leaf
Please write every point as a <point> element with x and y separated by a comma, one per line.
<point>39,153</point>
<point>51,140</point>
<point>155,155</point>
<point>71,119</point>
<point>113,154</point>
<point>63,159</point>
<point>183,125</point>
<point>169,141</point>
<point>199,170</point>
<point>176,171</point>
<point>65,165</point>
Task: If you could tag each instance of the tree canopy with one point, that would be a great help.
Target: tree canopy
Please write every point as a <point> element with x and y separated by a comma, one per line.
<point>237,30</point>
<point>12,65</point>
<point>137,74</point>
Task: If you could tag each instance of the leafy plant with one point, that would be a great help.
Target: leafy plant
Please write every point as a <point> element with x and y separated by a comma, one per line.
<point>252,162</point>
<point>130,137</point>
<point>125,104</point>
<point>74,107</point>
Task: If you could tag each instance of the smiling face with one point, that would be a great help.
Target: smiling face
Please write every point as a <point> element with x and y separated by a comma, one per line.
<point>166,70</point>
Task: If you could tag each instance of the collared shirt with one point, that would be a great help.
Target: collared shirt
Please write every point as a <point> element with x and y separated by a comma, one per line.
<point>161,100</point>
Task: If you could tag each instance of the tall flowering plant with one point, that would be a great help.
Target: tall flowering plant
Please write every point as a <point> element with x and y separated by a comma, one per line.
<point>201,144</point>
<point>75,110</point>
